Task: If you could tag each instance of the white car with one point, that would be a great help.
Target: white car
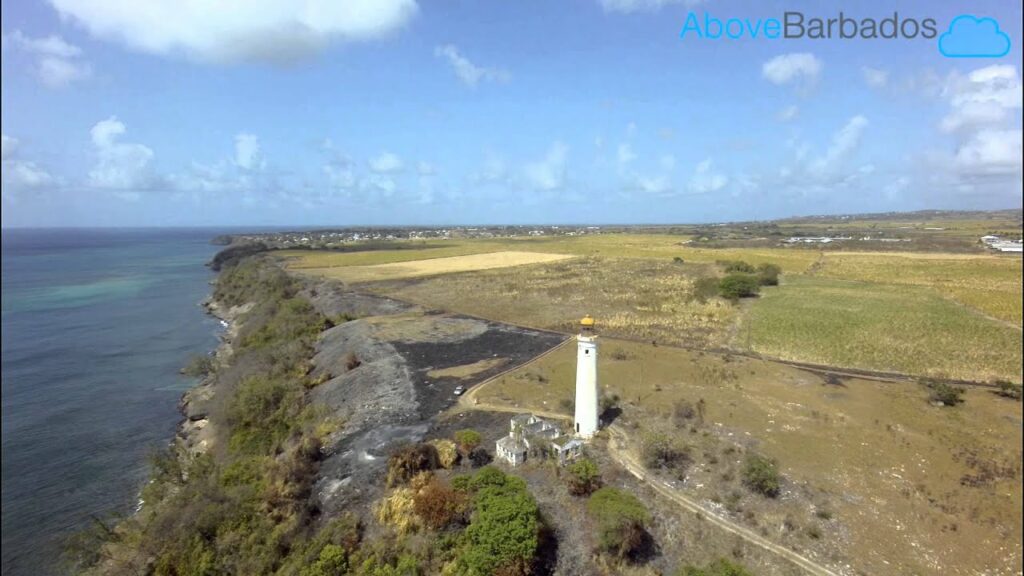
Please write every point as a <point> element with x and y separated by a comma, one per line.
<point>459,390</point>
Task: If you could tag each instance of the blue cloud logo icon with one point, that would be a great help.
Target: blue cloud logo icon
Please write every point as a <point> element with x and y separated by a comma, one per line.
<point>971,37</point>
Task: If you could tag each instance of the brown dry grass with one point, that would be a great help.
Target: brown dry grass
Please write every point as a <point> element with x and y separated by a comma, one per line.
<point>894,471</point>
<point>433,266</point>
<point>635,298</point>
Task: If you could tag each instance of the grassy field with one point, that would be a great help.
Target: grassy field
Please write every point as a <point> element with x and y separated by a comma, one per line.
<point>909,488</point>
<point>635,298</point>
<point>907,329</point>
<point>991,284</point>
<point>433,266</point>
<point>923,313</point>
<point>651,246</point>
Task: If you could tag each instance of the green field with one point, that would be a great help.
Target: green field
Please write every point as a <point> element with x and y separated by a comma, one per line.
<point>907,329</point>
<point>991,284</point>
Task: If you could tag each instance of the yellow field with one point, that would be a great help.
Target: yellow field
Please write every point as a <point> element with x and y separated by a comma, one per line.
<point>433,266</point>
<point>913,489</point>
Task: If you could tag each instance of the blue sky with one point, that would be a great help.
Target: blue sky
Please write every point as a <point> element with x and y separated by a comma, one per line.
<point>402,112</point>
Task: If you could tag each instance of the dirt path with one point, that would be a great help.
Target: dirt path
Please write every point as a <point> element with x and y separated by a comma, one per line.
<point>620,453</point>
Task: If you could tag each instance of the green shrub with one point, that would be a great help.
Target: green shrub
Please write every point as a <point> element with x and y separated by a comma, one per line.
<point>1008,389</point>
<point>467,440</point>
<point>768,274</point>
<point>942,393</point>
<point>738,285</point>
<point>583,477</point>
<point>199,366</point>
<point>659,451</point>
<point>761,475</point>
<point>736,266</point>
<point>621,522</point>
<point>705,288</point>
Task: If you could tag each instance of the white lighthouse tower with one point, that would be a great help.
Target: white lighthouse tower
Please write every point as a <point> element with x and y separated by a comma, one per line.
<point>586,380</point>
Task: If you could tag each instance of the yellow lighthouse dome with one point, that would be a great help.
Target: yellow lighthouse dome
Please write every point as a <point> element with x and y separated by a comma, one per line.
<point>587,321</point>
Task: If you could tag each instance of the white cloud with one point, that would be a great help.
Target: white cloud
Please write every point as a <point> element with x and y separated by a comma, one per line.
<point>378,186</point>
<point>985,97</point>
<point>875,77</point>
<point>798,67</point>
<point>470,74</point>
<point>991,152</point>
<point>788,114</point>
<point>984,122</point>
<point>894,189</point>
<point>247,151</point>
<point>10,145</point>
<point>625,154</point>
<point>258,30</point>
<point>493,170</point>
<point>548,173</point>
<point>55,62</point>
<point>630,6</point>
<point>705,179</point>
<point>844,144</point>
<point>120,165</point>
<point>18,173</point>
<point>386,163</point>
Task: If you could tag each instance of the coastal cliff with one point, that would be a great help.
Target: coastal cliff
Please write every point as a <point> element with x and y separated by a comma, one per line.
<point>284,446</point>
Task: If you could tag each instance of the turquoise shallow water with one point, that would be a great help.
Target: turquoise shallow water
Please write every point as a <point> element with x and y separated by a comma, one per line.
<point>96,324</point>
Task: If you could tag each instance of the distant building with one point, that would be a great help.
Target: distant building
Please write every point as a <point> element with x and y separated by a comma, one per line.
<point>1001,245</point>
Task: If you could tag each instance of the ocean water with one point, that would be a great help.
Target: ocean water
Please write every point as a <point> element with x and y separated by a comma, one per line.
<point>96,325</point>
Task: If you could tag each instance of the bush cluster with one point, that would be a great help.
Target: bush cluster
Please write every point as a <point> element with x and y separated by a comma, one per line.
<point>761,475</point>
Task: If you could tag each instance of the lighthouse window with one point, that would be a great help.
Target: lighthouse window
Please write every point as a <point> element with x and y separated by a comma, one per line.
<point>586,351</point>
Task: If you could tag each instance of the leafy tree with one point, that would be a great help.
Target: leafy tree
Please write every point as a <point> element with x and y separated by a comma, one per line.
<point>621,522</point>
<point>705,288</point>
<point>467,440</point>
<point>738,285</point>
<point>584,477</point>
<point>761,475</point>
<point>503,534</point>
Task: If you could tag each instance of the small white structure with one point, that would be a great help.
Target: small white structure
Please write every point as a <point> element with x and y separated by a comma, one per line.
<point>527,431</point>
<point>586,421</point>
<point>512,449</point>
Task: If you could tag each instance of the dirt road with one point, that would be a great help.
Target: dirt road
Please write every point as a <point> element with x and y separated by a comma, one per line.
<point>619,451</point>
